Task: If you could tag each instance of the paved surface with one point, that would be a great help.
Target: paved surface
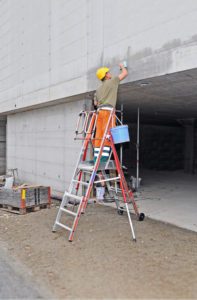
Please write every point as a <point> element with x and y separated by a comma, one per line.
<point>14,282</point>
<point>169,197</point>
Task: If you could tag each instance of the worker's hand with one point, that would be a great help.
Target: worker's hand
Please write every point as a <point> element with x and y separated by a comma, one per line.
<point>121,66</point>
<point>124,71</point>
<point>95,103</point>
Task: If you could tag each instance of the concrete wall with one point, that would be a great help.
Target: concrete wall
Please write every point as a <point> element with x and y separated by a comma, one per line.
<point>2,145</point>
<point>50,49</point>
<point>40,143</point>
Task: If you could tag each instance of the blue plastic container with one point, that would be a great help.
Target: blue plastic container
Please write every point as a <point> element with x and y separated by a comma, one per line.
<point>120,134</point>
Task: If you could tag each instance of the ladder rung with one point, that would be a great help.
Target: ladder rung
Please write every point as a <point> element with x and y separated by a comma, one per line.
<point>66,194</point>
<point>68,211</point>
<point>108,179</point>
<point>81,182</point>
<point>86,167</point>
<point>64,226</point>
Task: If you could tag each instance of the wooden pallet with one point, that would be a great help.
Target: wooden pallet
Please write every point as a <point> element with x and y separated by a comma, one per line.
<point>25,199</point>
<point>23,211</point>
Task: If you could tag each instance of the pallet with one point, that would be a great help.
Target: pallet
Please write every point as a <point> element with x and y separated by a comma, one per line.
<point>23,211</point>
<point>25,199</point>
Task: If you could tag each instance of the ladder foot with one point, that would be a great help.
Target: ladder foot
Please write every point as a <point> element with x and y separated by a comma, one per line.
<point>134,240</point>
<point>54,229</point>
<point>120,210</point>
<point>141,216</point>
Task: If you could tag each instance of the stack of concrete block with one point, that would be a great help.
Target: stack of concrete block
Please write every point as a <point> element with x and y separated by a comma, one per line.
<point>25,198</point>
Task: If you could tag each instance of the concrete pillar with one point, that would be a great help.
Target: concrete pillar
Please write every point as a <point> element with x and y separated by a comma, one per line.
<point>189,127</point>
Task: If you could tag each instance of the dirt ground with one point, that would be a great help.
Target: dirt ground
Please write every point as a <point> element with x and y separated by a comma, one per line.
<point>103,261</point>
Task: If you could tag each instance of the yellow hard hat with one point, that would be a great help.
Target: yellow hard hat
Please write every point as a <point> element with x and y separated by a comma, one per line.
<point>102,72</point>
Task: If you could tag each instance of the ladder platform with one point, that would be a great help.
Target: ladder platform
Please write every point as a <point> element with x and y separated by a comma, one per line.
<point>72,196</point>
<point>86,166</point>
<point>89,165</point>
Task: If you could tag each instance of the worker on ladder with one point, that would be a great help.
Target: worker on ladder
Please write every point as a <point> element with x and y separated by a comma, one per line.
<point>104,99</point>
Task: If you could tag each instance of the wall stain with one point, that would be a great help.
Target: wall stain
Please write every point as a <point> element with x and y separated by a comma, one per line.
<point>143,64</point>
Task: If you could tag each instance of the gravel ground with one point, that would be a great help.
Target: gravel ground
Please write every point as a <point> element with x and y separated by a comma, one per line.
<point>103,261</point>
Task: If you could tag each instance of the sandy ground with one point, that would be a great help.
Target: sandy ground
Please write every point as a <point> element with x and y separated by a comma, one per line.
<point>103,261</point>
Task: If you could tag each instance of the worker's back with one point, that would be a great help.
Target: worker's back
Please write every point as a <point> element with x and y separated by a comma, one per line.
<point>107,92</point>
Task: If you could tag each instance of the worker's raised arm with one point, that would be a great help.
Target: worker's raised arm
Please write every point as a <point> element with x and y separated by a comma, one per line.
<point>124,72</point>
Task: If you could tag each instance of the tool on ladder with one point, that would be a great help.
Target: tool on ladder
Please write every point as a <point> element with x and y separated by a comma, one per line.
<point>88,169</point>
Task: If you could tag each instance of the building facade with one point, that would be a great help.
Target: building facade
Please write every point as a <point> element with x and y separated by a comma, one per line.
<point>50,50</point>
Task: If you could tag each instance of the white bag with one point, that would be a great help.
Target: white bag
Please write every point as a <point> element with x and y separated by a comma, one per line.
<point>9,183</point>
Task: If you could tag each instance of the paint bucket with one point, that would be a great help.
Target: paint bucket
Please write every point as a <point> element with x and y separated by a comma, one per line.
<point>120,134</point>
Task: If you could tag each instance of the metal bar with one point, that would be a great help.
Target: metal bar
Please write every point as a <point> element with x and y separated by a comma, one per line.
<point>80,182</point>
<point>123,185</point>
<point>121,146</point>
<point>137,146</point>
<point>109,179</point>
<point>130,222</point>
<point>68,211</point>
<point>64,226</point>
<point>83,152</point>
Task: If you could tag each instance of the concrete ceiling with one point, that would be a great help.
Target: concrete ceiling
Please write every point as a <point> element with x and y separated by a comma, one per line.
<point>164,99</point>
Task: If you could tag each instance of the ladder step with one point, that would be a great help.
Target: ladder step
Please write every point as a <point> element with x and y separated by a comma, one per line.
<point>79,198</point>
<point>80,182</point>
<point>68,211</point>
<point>86,166</point>
<point>64,226</point>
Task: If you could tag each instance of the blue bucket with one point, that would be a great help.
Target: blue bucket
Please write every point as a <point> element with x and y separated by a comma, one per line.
<point>120,134</point>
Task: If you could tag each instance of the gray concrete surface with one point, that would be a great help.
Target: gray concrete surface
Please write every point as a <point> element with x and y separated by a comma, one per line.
<point>2,145</point>
<point>57,56</point>
<point>40,143</point>
<point>15,282</point>
<point>168,197</point>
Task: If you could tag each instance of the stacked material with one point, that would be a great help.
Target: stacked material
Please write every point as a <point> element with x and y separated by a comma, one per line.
<point>25,198</point>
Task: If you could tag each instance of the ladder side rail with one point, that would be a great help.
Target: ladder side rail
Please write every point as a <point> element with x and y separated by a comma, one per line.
<point>81,123</point>
<point>84,201</point>
<point>85,146</point>
<point>125,186</point>
<point>98,159</point>
<point>108,186</point>
<point>88,129</point>
<point>82,155</point>
<point>121,174</point>
<point>127,209</point>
